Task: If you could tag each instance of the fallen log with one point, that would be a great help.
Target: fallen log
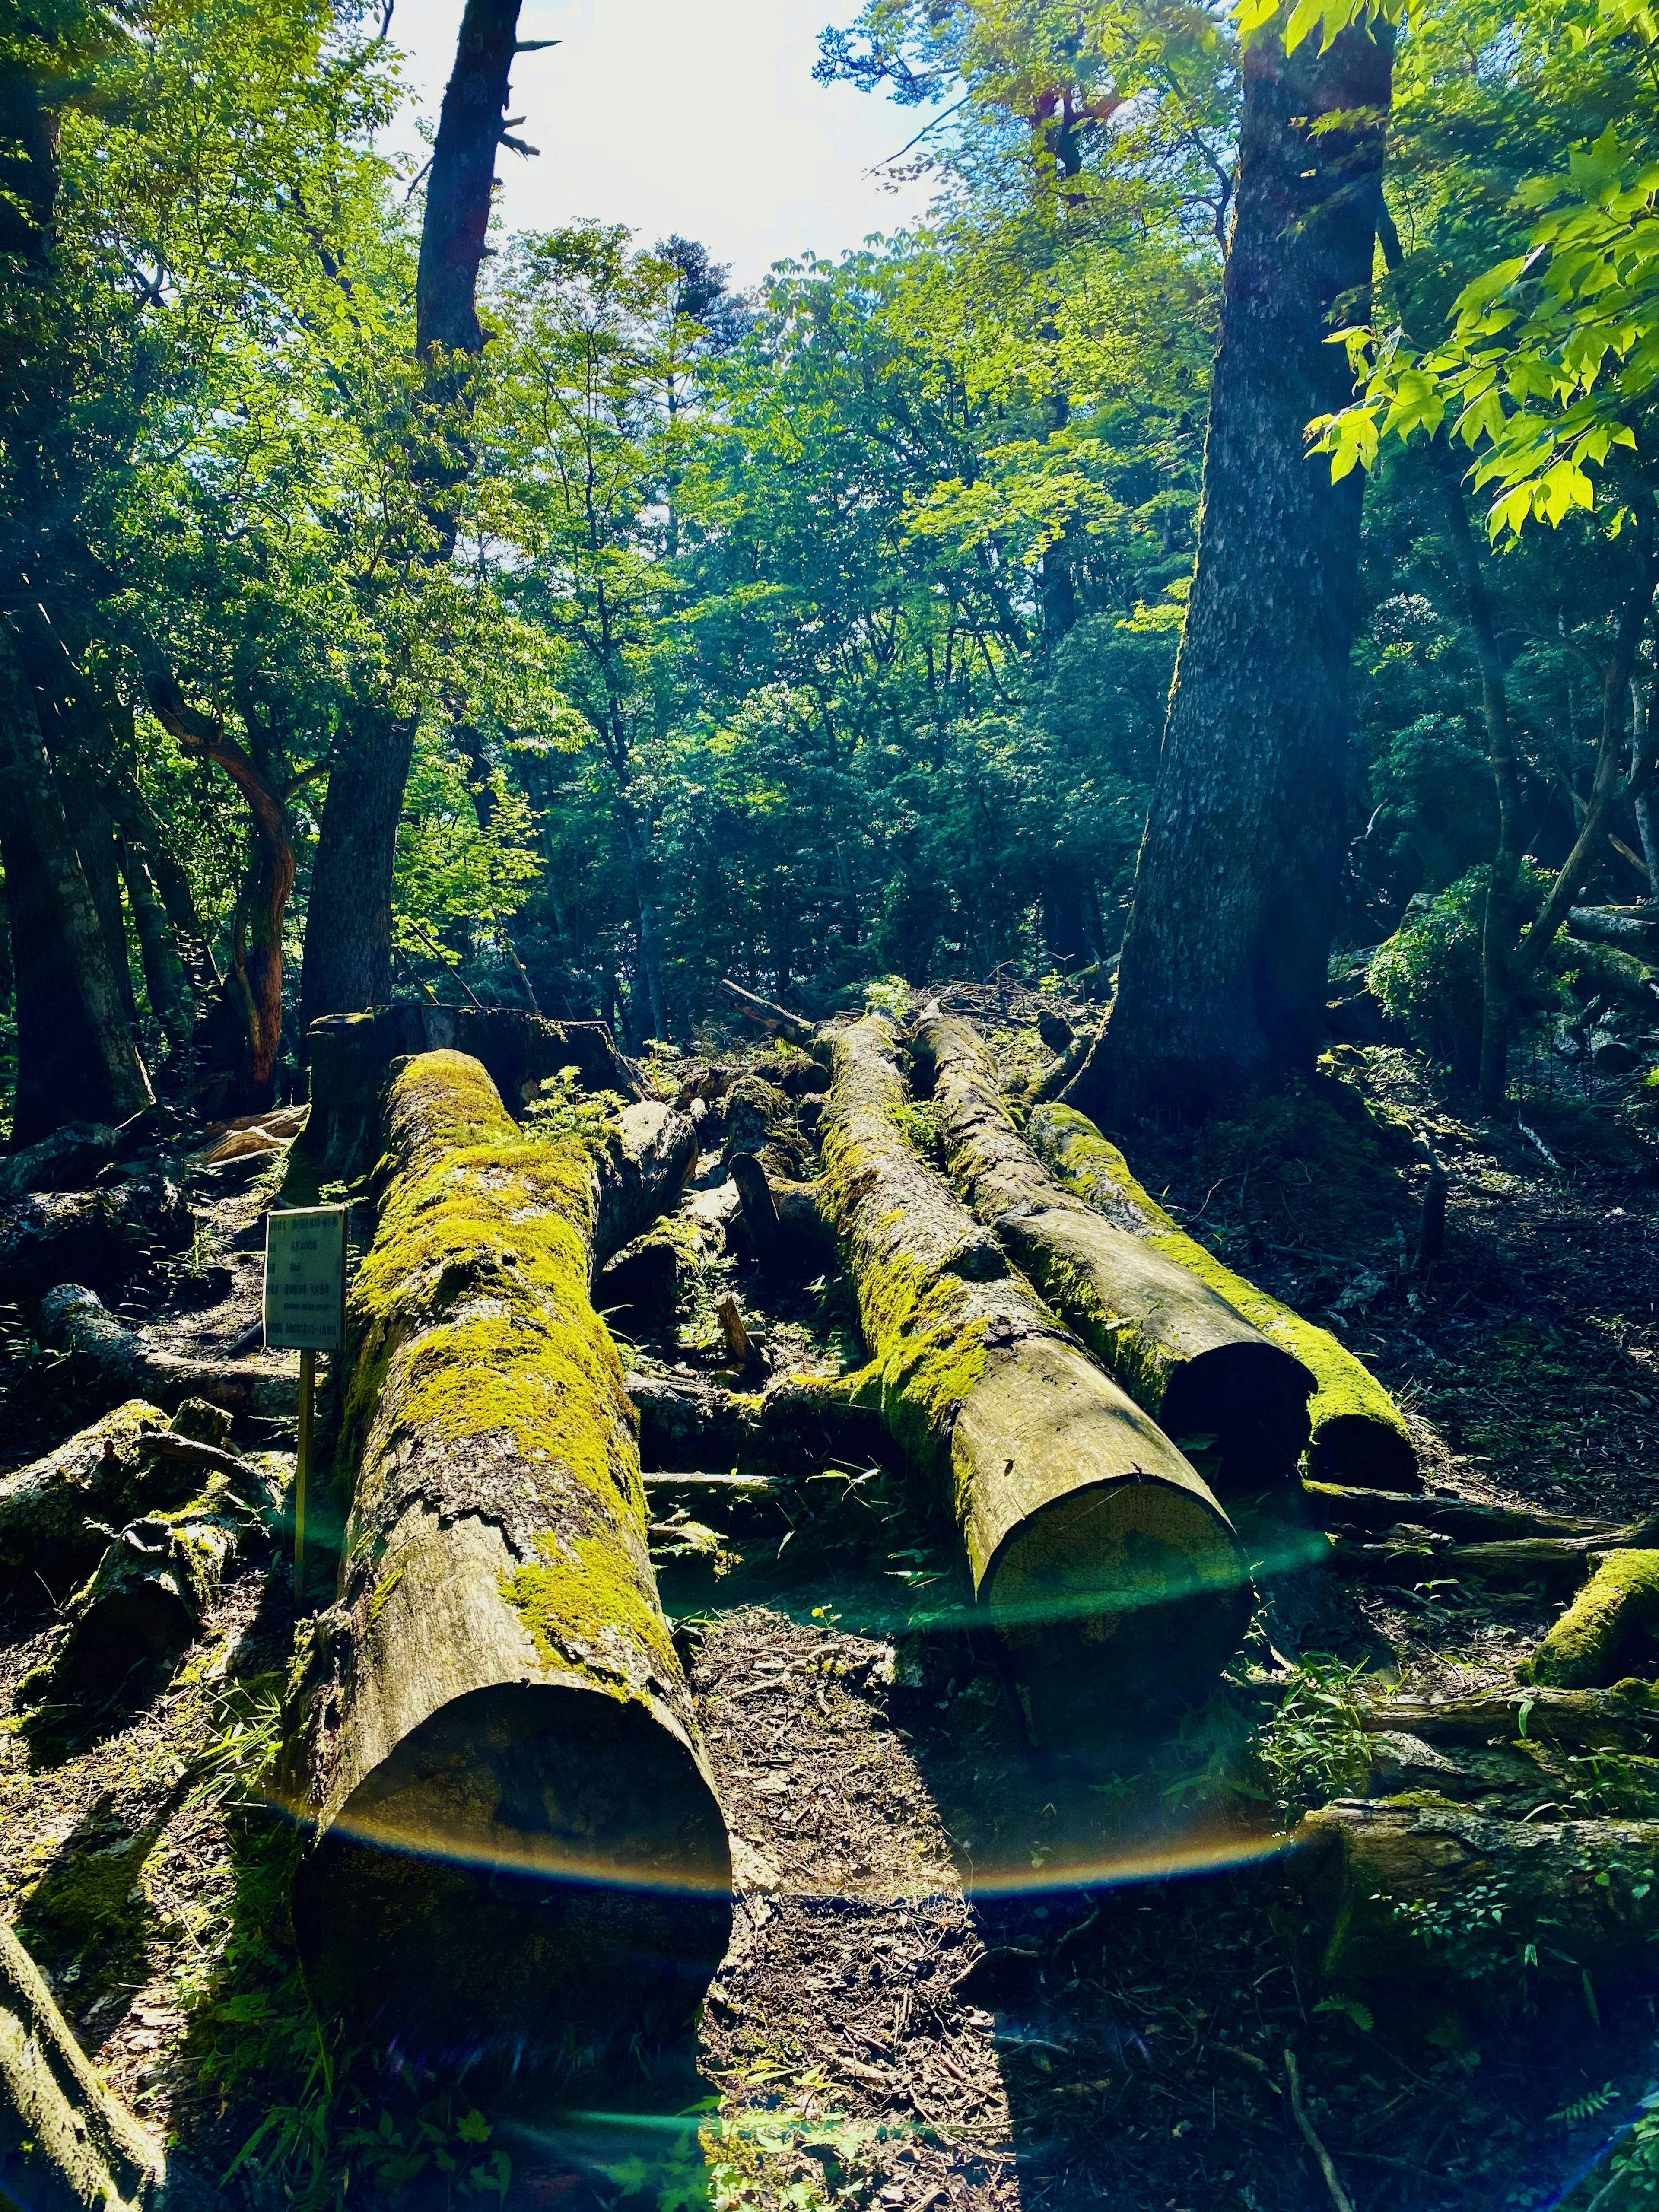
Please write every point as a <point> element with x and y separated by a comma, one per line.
<point>1613,1620</point>
<point>784,1220</point>
<point>1174,1343</point>
<point>148,1597</point>
<point>1336,1505</point>
<point>1096,1549</point>
<point>1402,1891</point>
<point>516,1853</point>
<point>1627,1715</point>
<point>1558,1562</point>
<point>66,2144</point>
<point>1359,1435</point>
<point>111,1360</point>
<point>777,1021</point>
<point>1634,930</point>
<point>798,1421</point>
<point>101,1238</point>
<point>68,1160</point>
<point>99,1475</point>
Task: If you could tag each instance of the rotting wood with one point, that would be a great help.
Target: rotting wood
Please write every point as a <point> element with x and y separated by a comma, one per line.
<point>784,1220</point>
<point>66,2143</point>
<point>1390,1889</point>
<point>101,1237</point>
<point>148,1597</point>
<point>1612,1621</point>
<point>1558,1562</point>
<point>109,1358</point>
<point>1360,1434</point>
<point>1467,1520</point>
<point>1095,1547</point>
<point>1634,930</point>
<point>1174,1342</point>
<point>1627,1715</point>
<point>796,1421</point>
<point>98,1475</point>
<point>518,1853</point>
<point>68,1160</point>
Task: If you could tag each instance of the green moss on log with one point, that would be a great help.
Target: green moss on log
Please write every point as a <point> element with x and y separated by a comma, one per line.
<point>574,1605</point>
<point>1590,1645</point>
<point>1357,1429</point>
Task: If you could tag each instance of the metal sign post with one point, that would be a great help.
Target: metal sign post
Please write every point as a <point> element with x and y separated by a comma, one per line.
<point>305,1311</point>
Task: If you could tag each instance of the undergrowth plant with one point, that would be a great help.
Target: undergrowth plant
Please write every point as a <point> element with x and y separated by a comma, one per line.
<point>1315,1746</point>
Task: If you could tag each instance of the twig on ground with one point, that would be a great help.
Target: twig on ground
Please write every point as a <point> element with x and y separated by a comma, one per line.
<point>1340,2196</point>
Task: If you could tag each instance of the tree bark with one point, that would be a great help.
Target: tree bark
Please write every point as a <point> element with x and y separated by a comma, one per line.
<point>165,980</point>
<point>1359,1435</point>
<point>46,1543</point>
<point>1222,983</point>
<point>76,1054</point>
<point>518,1850</point>
<point>1185,1355</point>
<point>254,985</point>
<point>66,2143</point>
<point>100,1237</point>
<point>456,221</point>
<point>1398,1893</point>
<point>109,1360</point>
<point>1094,1547</point>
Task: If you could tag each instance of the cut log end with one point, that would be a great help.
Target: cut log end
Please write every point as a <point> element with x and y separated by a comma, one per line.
<point>1362,1451</point>
<point>535,1871</point>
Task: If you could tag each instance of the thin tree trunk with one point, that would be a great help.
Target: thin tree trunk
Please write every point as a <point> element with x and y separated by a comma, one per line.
<point>165,980</point>
<point>1221,981</point>
<point>348,948</point>
<point>94,844</point>
<point>256,980</point>
<point>75,1053</point>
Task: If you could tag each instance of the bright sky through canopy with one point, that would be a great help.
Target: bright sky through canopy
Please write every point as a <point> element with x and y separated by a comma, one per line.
<point>669,115</point>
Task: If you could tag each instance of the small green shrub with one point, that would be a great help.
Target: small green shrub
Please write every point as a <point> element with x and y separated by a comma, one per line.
<point>1315,1746</point>
<point>1427,975</point>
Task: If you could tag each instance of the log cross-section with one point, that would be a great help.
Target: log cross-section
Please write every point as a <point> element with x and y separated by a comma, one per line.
<point>1103,1558</point>
<point>519,1853</point>
<point>1176,1343</point>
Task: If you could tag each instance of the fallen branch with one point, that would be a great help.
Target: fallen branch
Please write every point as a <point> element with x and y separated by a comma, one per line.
<point>1591,1719</point>
<point>1173,1342</point>
<point>1096,1548</point>
<point>1467,1520</point>
<point>1322,2157</point>
<point>495,1686</point>
<point>776,1021</point>
<point>1358,1432</point>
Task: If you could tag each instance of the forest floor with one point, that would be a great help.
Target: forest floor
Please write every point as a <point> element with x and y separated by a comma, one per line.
<point>969,1970</point>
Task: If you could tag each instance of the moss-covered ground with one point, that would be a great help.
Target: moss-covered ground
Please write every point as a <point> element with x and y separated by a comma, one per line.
<point>971,1970</point>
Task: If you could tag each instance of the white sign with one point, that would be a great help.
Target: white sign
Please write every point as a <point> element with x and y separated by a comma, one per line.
<point>305,1279</point>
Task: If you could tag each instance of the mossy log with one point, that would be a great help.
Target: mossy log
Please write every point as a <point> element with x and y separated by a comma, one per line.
<point>148,1596</point>
<point>1469,1520</point>
<point>1400,1891</point>
<point>797,1421</point>
<point>1360,1434</point>
<point>1097,1550</point>
<point>1612,1621</point>
<point>1627,1716</point>
<point>50,1510</point>
<point>350,1055</point>
<point>66,2144</point>
<point>68,1160</point>
<point>518,1854</point>
<point>1633,930</point>
<point>1176,1345</point>
<point>101,1237</point>
<point>110,1359</point>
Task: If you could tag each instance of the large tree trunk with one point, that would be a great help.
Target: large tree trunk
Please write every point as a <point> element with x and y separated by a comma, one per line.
<point>1359,1435</point>
<point>75,1053</point>
<point>519,1853</point>
<point>1175,1343</point>
<point>1096,1548</point>
<point>348,950</point>
<point>1221,986</point>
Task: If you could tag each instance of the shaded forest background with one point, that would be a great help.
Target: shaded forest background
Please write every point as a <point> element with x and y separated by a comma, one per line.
<point>806,634</point>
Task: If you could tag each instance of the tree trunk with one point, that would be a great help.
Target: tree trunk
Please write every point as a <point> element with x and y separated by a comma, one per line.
<point>67,2144</point>
<point>1174,1343</point>
<point>147,1599</point>
<point>518,1850</point>
<point>76,1054</point>
<point>165,980</point>
<point>1410,1895</point>
<point>49,1540</point>
<point>1221,985</point>
<point>1096,1549</point>
<point>348,950</point>
<point>109,1360</point>
<point>254,985</point>
<point>1359,1435</point>
<point>93,833</point>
